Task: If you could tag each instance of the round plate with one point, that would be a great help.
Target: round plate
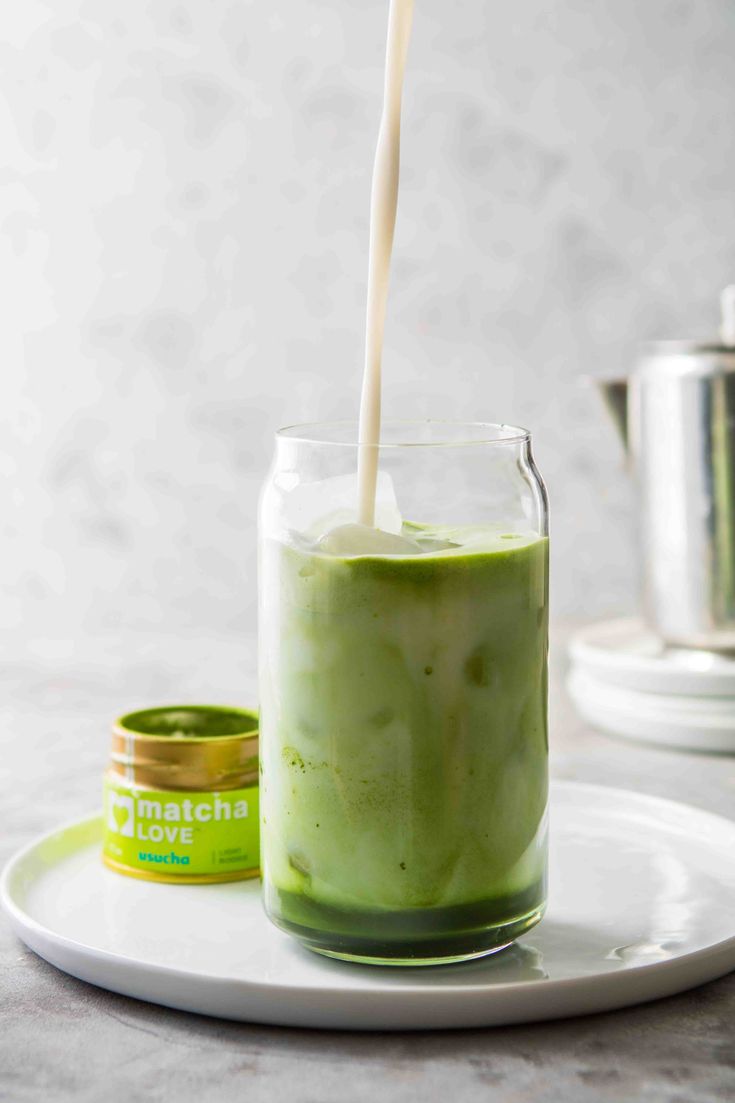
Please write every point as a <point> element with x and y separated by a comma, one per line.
<point>705,724</point>
<point>642,905</point>
<point>625,653</point>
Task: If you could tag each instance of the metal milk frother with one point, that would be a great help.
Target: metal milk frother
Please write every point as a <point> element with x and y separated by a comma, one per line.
<point>676,414</point>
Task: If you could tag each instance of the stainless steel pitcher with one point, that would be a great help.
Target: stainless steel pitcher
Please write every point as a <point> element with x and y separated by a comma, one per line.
<point>676,414</point>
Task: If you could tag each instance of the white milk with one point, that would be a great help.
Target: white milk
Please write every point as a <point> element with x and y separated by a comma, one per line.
<point>383,202</point>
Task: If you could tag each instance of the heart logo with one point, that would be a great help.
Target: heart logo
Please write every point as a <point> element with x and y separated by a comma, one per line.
<point>120,813</point>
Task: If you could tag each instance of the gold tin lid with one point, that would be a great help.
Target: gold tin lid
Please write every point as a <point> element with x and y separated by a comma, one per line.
<point>187,747</point>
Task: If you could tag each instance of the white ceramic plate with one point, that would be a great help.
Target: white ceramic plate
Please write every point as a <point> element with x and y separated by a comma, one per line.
<point>704,724</point>
<point>625,653</point>
<point>642,905</point>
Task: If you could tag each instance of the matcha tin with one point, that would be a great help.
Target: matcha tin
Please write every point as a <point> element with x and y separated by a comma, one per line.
<point>181,795</point>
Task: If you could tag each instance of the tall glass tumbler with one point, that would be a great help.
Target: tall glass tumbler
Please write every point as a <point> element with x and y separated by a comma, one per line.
<point>403,689</point>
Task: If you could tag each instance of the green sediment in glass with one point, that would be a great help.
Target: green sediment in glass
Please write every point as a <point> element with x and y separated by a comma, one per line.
<point>402,934</point>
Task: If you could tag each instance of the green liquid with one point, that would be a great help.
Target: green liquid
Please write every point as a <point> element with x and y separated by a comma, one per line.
<point>404,747</point>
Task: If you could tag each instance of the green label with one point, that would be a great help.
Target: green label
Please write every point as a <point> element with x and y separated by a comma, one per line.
<point>181,833</point>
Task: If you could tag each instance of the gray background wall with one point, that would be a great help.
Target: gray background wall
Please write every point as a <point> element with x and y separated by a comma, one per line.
<point>185,196</point>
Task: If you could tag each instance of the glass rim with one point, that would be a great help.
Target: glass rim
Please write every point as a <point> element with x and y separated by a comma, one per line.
<point>489,433</point>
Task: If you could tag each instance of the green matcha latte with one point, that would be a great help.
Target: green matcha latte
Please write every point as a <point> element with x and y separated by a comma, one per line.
<point>404,742</point>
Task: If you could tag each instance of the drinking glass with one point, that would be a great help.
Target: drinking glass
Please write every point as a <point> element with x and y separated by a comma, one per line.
<point>403,690</point>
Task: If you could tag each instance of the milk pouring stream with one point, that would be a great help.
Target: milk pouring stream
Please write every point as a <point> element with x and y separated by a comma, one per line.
<point>383,202</point>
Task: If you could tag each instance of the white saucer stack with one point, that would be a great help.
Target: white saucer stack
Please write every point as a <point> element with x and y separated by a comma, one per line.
<point>624,680</point>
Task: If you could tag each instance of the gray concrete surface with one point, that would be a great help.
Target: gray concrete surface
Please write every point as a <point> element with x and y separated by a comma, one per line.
<point>63,1041</point>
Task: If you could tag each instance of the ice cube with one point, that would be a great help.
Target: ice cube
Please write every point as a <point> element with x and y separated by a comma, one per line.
<point>351,540</point>
<point>314,508</point>
<point>429,544</point>
<point>430,538</point>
